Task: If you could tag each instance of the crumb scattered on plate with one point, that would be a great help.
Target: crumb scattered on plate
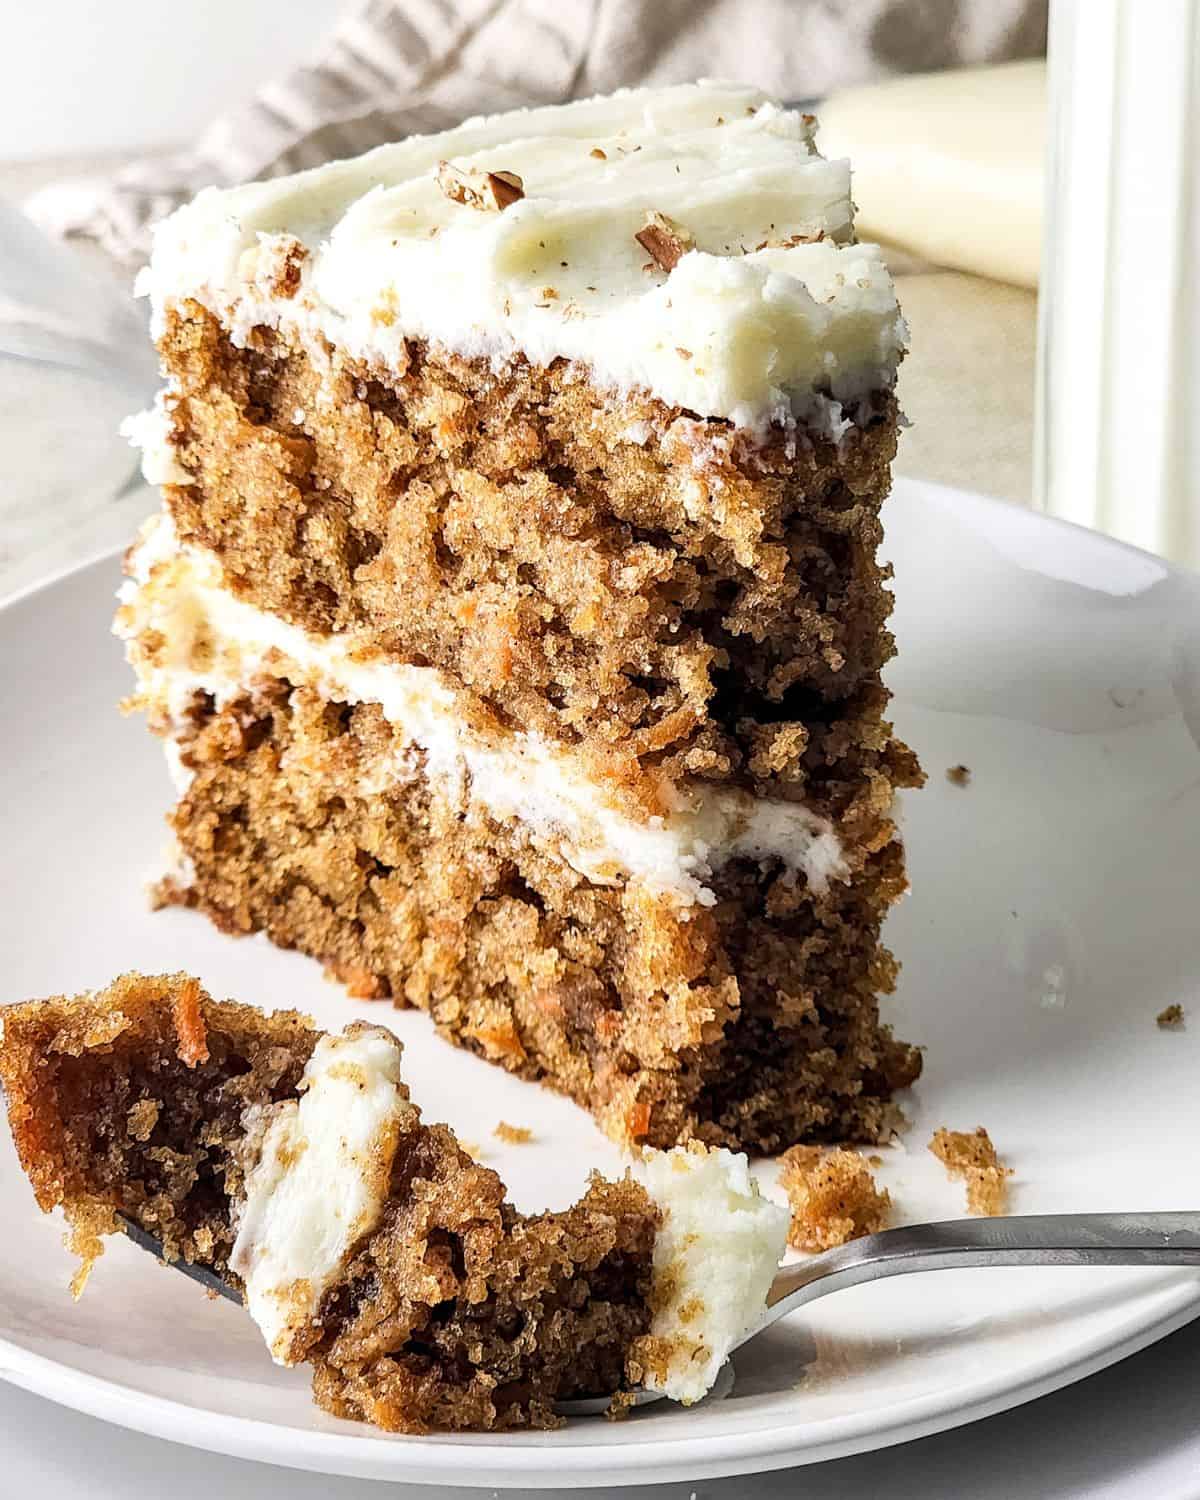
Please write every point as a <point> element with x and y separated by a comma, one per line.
<point>515,1135</point>
<point>971,1158</point>
<point>1170,1019</point>
<point>832,1196</point>
<point>959,775</point>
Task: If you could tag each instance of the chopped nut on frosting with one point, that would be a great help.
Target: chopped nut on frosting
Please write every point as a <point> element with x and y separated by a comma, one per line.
<point>491,191</point>
<point>789,241</point>
<point>665,241</point>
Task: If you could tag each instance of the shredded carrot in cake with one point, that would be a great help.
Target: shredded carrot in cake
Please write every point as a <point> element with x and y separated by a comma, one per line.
<point>189,1024</point>
<point>971,1158</point>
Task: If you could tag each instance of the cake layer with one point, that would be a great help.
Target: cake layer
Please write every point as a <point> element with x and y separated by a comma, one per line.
<point>189,636</point>
<point>682,241</point>
<point>751,1022</point>
<point>517,632</point>
<point>616,575</point>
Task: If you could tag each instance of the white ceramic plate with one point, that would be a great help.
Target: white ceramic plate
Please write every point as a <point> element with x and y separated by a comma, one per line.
<point>1053,914</point>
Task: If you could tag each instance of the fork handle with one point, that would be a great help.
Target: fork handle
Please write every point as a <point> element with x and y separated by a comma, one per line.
<point>1154,1239</point>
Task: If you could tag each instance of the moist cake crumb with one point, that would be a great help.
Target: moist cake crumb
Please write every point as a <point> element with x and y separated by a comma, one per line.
<point>416,1327</point>
<point>515,1135</point>
<point>143,1116</point>
<point>364,1242</point>
<point>832,1196</point>
<point>971,1158</point>
<point>1170,1019</point>
<point>959,775</point>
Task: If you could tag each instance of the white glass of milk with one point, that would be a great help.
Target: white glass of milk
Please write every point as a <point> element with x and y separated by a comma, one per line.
<point>1118,422</point>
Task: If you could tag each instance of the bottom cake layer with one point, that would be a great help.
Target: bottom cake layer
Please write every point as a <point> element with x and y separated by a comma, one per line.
<point>752,1022</point>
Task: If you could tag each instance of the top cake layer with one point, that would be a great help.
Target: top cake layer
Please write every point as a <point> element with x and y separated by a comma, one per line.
<point>518,235</point>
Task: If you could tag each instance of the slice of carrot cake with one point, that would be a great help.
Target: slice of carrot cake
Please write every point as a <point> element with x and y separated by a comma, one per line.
<point>365,1243</point>
<point>514,621</point>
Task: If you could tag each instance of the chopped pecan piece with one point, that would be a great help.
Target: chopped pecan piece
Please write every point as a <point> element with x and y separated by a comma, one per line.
<point>814,237</point>
<point>490,191</point>
<point>664,240</point>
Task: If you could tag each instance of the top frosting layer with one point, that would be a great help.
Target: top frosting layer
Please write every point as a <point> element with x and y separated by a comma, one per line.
<point>769,312</point>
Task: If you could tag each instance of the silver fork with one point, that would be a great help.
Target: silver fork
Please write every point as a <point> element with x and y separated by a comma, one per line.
<point>1155,1239</point>
<point>1160,1239</point>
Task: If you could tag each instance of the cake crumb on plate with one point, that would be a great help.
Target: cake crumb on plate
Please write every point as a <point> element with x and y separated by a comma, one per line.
<point>515,1135</point>
<point>1170,1019</point>
<point>959,775</point>
<point>832,1196</point>
<point>971,1157</point>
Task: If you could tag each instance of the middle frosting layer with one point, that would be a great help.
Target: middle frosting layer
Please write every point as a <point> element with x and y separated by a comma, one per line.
<point>189,635</point>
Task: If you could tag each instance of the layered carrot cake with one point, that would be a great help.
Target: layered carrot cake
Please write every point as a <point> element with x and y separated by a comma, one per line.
<point>364,1242</point>
<point>514,623</point>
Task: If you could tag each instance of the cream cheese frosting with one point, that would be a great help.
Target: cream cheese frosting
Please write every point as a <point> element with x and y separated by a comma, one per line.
<point>320,1174</point>
<point>320,1182</point>
<point>715,1256</point>
<point>209,641</point>
<point>773,314</point>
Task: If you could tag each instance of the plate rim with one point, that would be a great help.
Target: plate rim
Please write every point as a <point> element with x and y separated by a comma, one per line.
<point>499,1462</point>
<point>493,1463</point>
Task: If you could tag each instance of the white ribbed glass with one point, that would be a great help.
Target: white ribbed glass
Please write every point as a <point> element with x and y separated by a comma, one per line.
<point>1118,410</point>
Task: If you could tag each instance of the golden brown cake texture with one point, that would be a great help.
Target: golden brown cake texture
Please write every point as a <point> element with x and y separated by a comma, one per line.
<point>971,1158</point>
<point>697,604</point>
<point>684,606</point>
<point>832,1196</point>
<point>753,1022</point>
<point>454,1311</point>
